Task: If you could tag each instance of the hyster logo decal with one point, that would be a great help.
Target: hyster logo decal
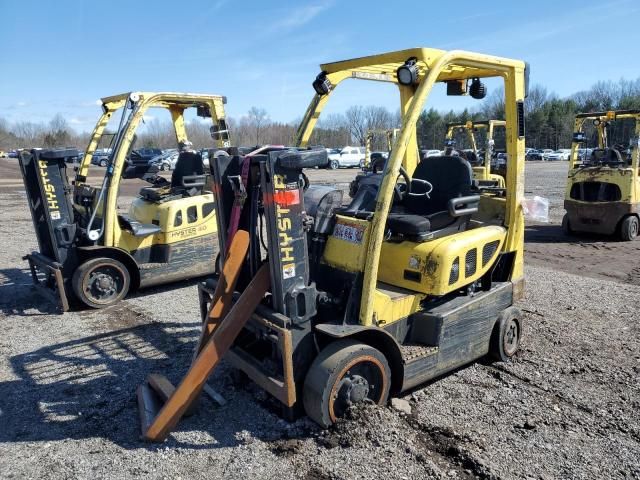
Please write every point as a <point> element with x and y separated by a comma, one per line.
<point>49,191</point>
<point>285,196</point>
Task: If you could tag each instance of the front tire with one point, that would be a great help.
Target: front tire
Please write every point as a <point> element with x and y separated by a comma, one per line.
<point>101,282</point>
<point>333,164</point>
<point>506,336</point>
<point>629,228</point>
<point>343,374</point>
<point>103,163</point>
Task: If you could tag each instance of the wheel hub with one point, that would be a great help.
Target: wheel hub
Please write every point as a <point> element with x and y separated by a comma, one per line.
<point>104,283</point>
<point>357,389</point>
<point>511,337</point>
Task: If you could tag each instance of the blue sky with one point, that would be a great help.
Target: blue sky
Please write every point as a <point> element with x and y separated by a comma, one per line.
<point>61,56</point>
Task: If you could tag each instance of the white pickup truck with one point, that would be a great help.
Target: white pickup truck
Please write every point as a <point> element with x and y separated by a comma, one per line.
<point>348,157</point>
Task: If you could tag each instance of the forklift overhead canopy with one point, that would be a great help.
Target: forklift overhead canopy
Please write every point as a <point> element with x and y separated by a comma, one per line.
<point>383,67</point>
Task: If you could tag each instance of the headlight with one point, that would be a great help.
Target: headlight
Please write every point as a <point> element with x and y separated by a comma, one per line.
<point>408,73</point>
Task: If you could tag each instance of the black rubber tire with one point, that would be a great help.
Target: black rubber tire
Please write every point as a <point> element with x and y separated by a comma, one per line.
<point>566,226</point>
<point>84,286</point>
<point>334,165</point>
<point>506,335</point>
<point>328,381</point>
<point>163,167</point>
<point>103,163</point>
<point>629,228</point>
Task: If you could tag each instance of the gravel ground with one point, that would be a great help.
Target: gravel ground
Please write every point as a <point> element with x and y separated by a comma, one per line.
<point>565,408</point>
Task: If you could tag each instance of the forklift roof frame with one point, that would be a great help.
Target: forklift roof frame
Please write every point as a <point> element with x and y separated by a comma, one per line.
<point>470,127</point>
<point>139,103</point>
<point>434,66</point>
<point>579,122</point>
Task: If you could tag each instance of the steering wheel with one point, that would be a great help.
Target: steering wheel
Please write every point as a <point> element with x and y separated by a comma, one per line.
<point>425,185</point>
<point>397,193</point>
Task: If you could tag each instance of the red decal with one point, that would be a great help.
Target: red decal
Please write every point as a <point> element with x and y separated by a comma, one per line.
<point>287,197</point>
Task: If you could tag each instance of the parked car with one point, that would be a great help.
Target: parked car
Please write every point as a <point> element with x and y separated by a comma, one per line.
<point>13,154</point>
<point>534,154</point>
<point>166,161</point>
<point>431,153</point>
<point>101,157</point>
<point>546,152</point>
<point>348,157</point>
<point>560,154</point>
<point>139,159</point>
<point>584,154</point>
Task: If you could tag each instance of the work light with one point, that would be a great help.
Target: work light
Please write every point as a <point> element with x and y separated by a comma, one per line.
<point>321,84</point>
<point>477,89</point>
<point>408,73</point>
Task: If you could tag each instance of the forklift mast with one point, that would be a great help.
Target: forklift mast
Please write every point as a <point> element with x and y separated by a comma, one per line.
<point>274,187</point>
<point>49,197</point>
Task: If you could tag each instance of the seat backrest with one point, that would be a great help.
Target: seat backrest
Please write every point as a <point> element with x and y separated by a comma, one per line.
<point>188,163</point>
<point>451,177</point>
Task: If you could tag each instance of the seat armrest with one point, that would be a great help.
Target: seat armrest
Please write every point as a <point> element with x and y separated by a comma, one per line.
<point>194,181</point>
<point>464,205</point>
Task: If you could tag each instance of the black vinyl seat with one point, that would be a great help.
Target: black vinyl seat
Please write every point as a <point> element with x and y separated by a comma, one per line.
<point>449,205</point>
<point>188,164</point>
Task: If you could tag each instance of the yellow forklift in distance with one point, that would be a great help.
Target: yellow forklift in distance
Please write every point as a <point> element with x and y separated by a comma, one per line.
<point>481,138</point>
<point>336,304</point>
<point>98,254</point>
<point>603,186</point>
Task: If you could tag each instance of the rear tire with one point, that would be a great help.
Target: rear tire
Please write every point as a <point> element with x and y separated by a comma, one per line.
<point>345,373</point>
<point>566,226</point>
<point>629,228</point>
<point>506,336</point>
<point>333,164</point>
<point>101,282</point>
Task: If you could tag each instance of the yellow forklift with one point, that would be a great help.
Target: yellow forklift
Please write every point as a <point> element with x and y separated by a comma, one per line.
<point>90,249</point>
<point>340,304</point>
<point>480,137</point>
<point>603,186</point>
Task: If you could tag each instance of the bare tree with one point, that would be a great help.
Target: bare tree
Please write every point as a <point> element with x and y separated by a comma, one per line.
<point>58,133</point>
<point>257,118</point>
<point>357,122</point>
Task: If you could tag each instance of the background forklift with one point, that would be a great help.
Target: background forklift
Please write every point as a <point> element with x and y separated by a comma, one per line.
<point>479,138</point>
<point>603,186</point>
<point>90,249</point>
<point>412,279</point>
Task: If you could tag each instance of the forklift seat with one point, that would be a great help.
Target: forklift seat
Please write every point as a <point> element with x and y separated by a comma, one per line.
<point>187,165</point>
<point>449,206</point>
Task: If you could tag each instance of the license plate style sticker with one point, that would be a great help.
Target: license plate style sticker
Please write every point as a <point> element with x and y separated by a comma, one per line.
<point>348,233</point>
<point>289,270</point>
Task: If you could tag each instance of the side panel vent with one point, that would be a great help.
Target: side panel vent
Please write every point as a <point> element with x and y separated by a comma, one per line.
<point>470,261</point>
<point>488,251</point>
<point>454,275</point>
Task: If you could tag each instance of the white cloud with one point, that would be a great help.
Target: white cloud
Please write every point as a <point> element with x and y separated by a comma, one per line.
<point>300,16</point>
<point>21,104</point>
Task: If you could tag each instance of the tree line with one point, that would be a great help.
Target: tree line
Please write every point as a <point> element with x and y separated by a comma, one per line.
<point>549,123</point>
